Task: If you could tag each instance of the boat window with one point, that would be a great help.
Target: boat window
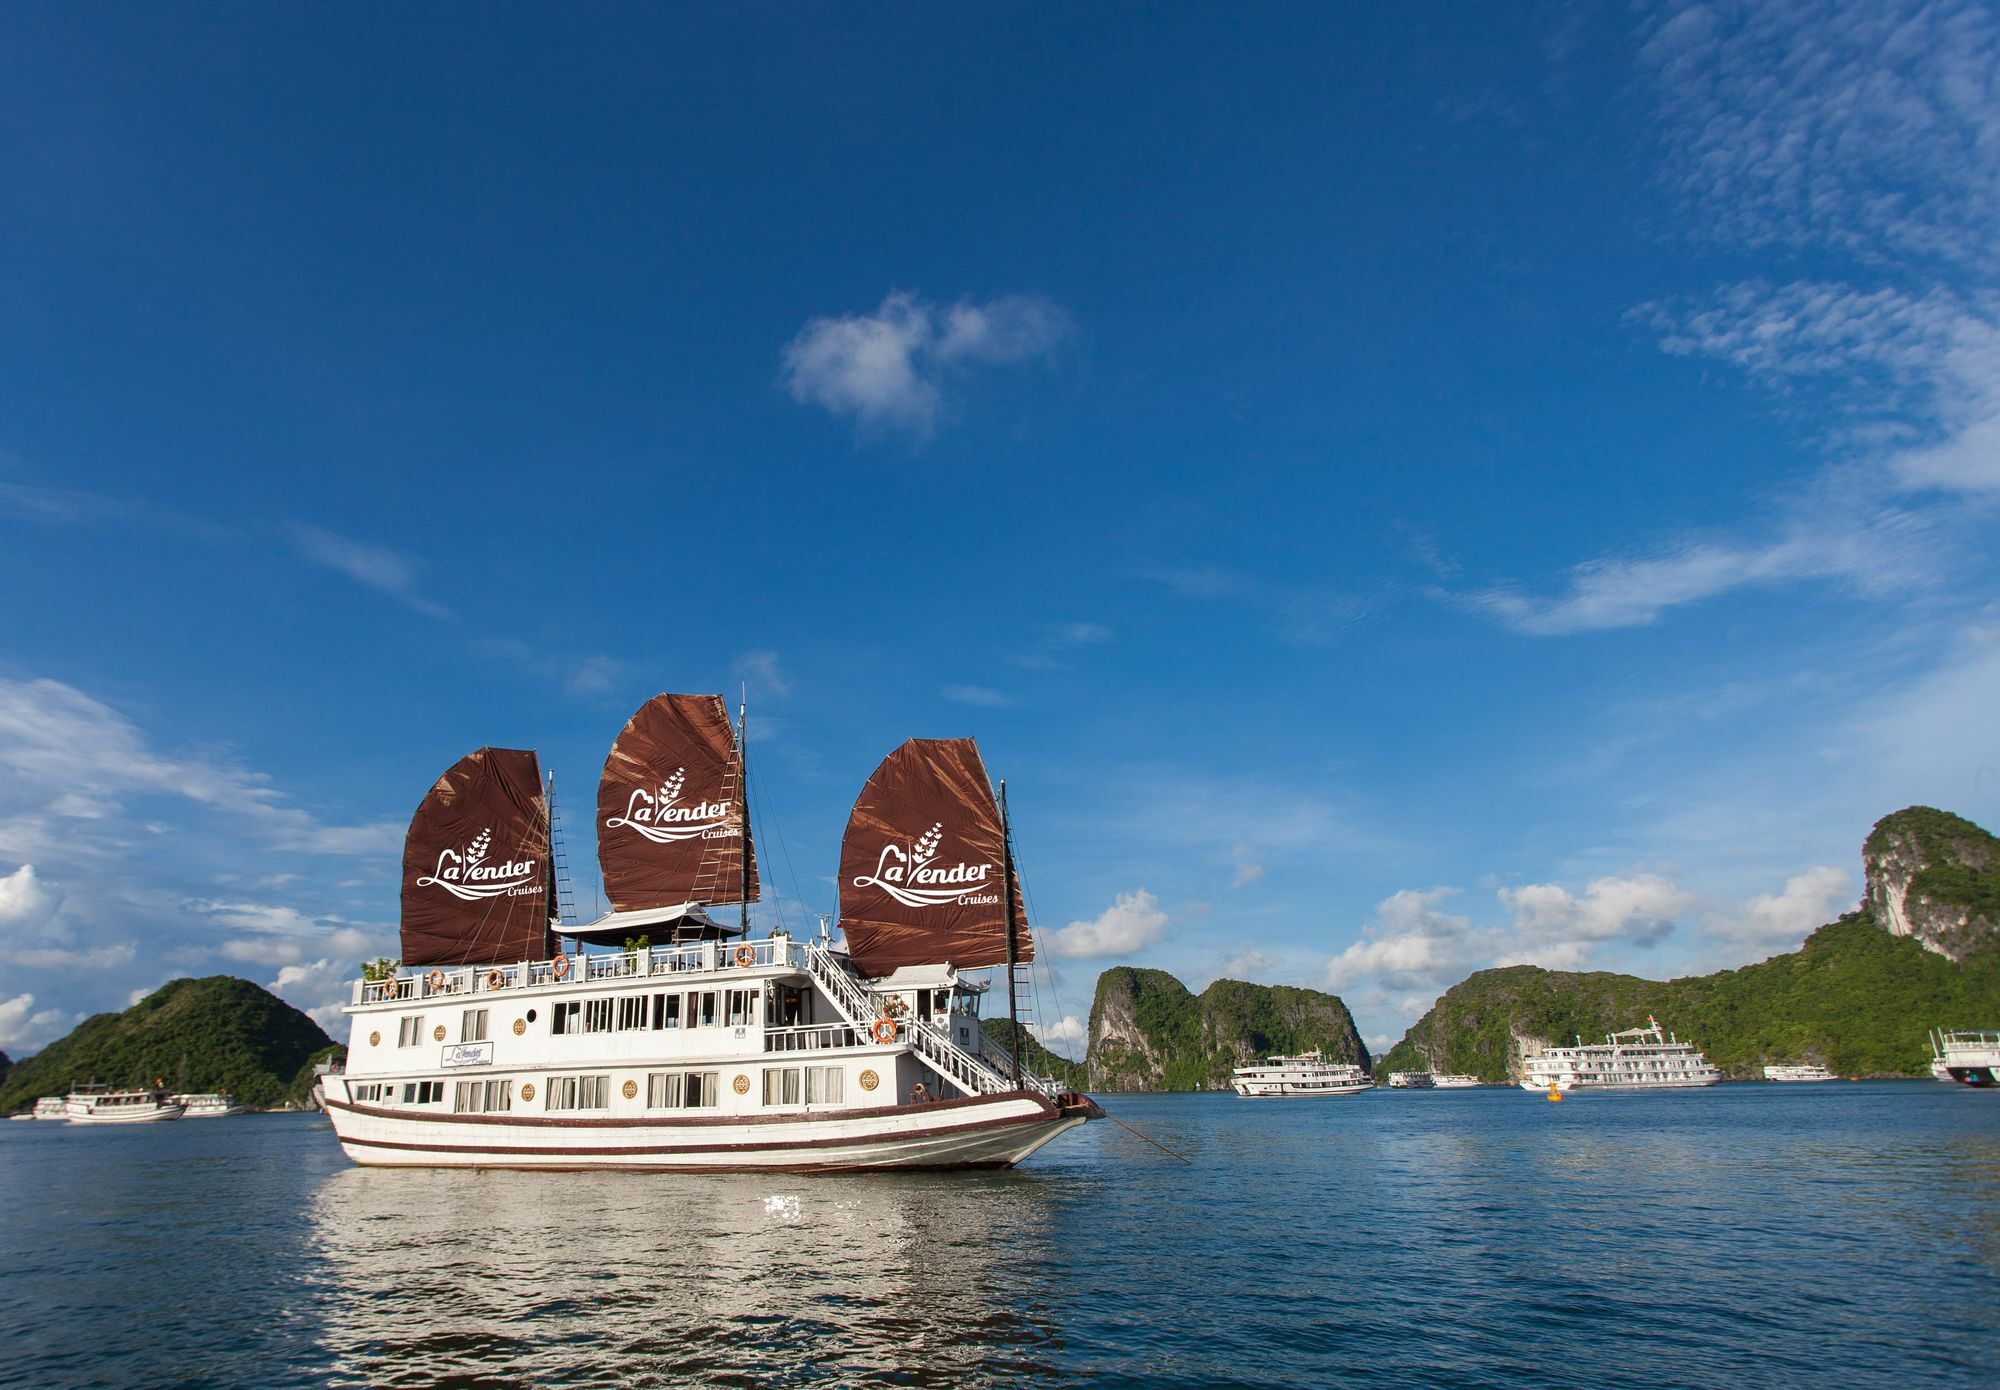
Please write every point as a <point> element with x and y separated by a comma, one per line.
<point>410,1031</point>
<point>701,1009</point>
<point>422,1092</point>
<point>477,1097</point>
<point>742,1005</point>
<point>597,1015</point>
<point>577,1093</point>
<point>781,1086</point>
<point>666,1011</point>
<point>825,1085</point>
<point>367,1093</point>
<point>677,1090</point>
<point>564,1017</point>
<point>472,1026</point>
<point>633,1012</point>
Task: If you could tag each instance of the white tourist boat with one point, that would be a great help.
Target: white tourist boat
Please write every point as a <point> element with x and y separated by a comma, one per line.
<point>1411,1080</point>
<point>1972,1059</point>
<point>713,1051</point>
<point>1797,1071</point>
<point>50,1108</point>
<point>1637,1059</point>
<point>92,1105</point>
<point>1454,1081</point>
<point>1307,1074</point>
<point>211,1106</point>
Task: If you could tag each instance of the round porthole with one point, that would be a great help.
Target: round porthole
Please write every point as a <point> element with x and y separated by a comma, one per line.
<point>741,1085</point>
<point>520,1026</point>
<point>631,1089</point>
<point>531,1015</point>
<point>869,1080</point>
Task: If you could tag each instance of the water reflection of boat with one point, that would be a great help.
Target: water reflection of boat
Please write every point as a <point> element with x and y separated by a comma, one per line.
<point>738,1279</point>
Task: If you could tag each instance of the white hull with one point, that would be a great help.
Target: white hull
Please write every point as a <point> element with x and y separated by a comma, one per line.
<point>195,1112</point>
<point>135,1116</point>
<point>1456,1083</point>
<point>1300,1092</point>
<point>985,1132</point>
<point>1569,1086</point>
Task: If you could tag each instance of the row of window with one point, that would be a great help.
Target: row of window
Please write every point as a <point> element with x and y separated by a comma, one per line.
<point>665,1090</point>
<point>707,1008</point>
<point>471,1028</point>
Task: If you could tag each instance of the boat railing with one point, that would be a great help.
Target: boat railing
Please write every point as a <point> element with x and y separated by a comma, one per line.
<point>813,1037</point>
<point>699,958</point>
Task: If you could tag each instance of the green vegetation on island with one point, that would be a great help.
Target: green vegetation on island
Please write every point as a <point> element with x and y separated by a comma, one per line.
<point>1859,997</point>
<point>1035,1058</point>
<point>1148,1032</point>
<point>215,1034</point>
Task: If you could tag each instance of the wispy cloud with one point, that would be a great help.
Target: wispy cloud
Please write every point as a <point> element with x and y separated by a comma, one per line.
<point>762,671</point>
<point>1057,645</point>
<point>1301,615</point>
<point>978,696</point>
<point>888,370</point>
<point>377,566</point>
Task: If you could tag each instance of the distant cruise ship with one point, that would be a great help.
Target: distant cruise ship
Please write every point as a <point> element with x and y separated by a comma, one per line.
<point>1411,1080</point>
<point>1308,1074</point>
<point>1454,1081</point>
<point>1802,1071</point>
<point>1637,1059</point>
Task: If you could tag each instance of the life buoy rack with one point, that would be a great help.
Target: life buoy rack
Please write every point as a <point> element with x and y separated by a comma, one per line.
<point>745,956</point>
<point>494,979</point>
<point>559,967</point>
<point>435,979</point>
<point>885,1030</point>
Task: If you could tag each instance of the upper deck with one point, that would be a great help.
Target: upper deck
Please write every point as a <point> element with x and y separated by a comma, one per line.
<point>776,954</point>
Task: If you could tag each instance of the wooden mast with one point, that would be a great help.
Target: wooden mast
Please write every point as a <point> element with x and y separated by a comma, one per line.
<point>743,790</point>
<point>1013,940</point>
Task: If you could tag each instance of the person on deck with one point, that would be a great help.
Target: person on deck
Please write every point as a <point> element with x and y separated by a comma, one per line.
<point>918,1096</point>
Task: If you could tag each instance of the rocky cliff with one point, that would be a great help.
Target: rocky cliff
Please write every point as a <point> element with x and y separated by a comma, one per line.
<point>215,1034</point>
<point>1858,996</point>
<point>1148,1032</point>
<point>1935,877</point>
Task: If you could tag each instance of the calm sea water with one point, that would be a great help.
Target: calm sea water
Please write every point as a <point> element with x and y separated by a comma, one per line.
<point>1750,1235</point>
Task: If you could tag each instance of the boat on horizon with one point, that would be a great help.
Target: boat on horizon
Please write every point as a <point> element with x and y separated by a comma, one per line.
<point>1411,1080</point>
<point>495,1046</point>
<point>97,1105</point>
<point>210,1106</point>
<point>1454,1081</point>
<point>1797,1071</point>
<point>1970,1058</point>
<point>1303,1076</point>
<point>1635,1059</point>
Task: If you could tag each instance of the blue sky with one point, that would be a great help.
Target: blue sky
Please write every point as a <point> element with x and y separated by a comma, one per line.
<point>1394,490</point>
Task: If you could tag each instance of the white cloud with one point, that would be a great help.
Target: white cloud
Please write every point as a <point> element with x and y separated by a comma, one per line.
<point>884,369</point>
<point>1772,922</point>
<point>1067,1037</point>
<point>1133,922</point>
<point>1411,945</point>
<point>24,903</point>
<point>318,989</point>
<point>594,675</point>
<point>378,567</point>
<point>24,1028</point>
<point>976,695</point>
<point>1246,962</point>
<point>1053,650</point>
<point>1559,929</point>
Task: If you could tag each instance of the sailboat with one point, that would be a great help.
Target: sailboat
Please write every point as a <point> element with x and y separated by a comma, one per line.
<point>691,1046</point>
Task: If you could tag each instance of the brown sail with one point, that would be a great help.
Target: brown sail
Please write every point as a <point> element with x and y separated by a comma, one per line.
<point>923,864</point>
<point>672,823</point>
<point>476,866</point>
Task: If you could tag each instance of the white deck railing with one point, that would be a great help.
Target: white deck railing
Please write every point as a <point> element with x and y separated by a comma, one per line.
<point>701,958</point>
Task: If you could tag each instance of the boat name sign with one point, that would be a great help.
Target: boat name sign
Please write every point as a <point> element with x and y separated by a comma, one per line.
<point>477,1054</point>
<point>466,874</point>
<point>660,817</point>
<point>909,876</point>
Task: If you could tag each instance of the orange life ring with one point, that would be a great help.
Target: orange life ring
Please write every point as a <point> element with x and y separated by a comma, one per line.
<point>885,1030</point>
<point>435,979</point>
<point>494,979</point>
<point>559,967</point>
<point>745,956</point>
